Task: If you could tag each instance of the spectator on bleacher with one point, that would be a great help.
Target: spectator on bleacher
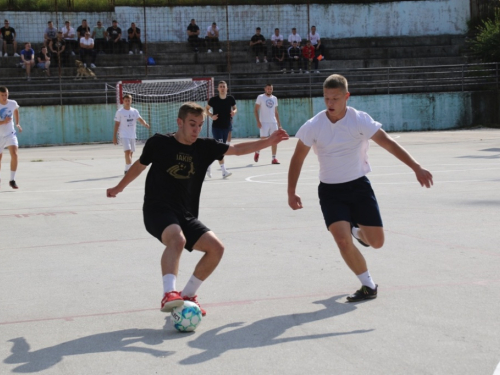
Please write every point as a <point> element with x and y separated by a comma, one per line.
<point>193,32</point>
<point>28,59</point>
<point>309,57</point>
<point>8,37</point>
<point>43,61</point>
<point>99,36</point>
<point>274,40</point>
<point>69,37</point>
<point>280,54</point>
<point>114,38</point>
<point>134,37</point>
<point>82,29</point>
<point>316,42</point>
<point>294,37</point>
<point>49,34</point>
<point>58,47</point>
<point>258,44</point>
<point>87,49</point>
<point>294,57</point>
<point>212,38</point>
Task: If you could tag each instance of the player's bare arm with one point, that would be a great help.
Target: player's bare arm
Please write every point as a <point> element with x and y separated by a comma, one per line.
<point>134,171</point>
<point>381,138</point>
<point>115,132</point>
<point>299,155</point>
<point>234,111</point>
<point>277,116</point>
<point>143,122</point>
<point>249,147</point>
<point>256,114</point>
<point>16,118</point>
<point>209,114</point>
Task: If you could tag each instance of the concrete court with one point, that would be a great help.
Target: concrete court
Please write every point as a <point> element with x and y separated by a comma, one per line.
<point>81,283</point>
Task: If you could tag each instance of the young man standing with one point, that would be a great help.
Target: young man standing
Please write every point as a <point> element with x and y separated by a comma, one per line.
<point>223,110</point>
<point>9,111</point>
<point>125,123</point>
<point>268,120</point>
<point>339,136</point>
<point>171,201</point>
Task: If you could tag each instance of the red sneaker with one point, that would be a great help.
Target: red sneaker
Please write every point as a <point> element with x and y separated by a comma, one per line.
<point>195,300</point>
<point>171,300</point>
<point>256,157</point>
<point>275,161</point>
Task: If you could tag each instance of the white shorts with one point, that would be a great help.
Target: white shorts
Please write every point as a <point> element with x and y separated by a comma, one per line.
<point>8,140</point>
<point>128,144</point>
<point>268,128</point>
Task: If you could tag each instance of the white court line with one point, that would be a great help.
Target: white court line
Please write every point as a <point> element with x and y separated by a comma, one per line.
<point>497,371</point>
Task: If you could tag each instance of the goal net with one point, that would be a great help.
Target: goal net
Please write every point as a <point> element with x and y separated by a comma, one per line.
<point>158,101</point>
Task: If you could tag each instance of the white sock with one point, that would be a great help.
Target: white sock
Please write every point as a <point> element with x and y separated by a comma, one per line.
<point>127,167</point>
<point>169,282</point>
<point>228,143</point>
<point>223,167</point>
<point>366,279</point>
<point>355,232</point>
<point>257,152</point>
<point>274,157</point>
<point>192,286</point>
<point>12,175</point>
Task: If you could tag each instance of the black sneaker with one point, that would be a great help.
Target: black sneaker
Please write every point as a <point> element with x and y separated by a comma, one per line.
<point>13,184</point>
<point>357,239</point>
<point>364,293</point>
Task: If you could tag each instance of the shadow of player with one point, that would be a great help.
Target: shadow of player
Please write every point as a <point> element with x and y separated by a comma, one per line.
<point>42,359</point>
<point>265,332</point>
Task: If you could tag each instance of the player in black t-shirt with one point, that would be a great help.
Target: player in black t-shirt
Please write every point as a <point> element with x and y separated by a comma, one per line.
<point>171,202</point>
<point>223,108</point>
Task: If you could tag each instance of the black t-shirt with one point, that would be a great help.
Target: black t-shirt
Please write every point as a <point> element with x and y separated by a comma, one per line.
<point>113,33</point>
<point>193,28</point>
<point>42,56</point>
<point>57,44</point>
<point>7,33</point>
<point>223,108</point>
<point>177,172</point>
<point>256,38</point>
<point>137,30</point>
<point>81,31</point>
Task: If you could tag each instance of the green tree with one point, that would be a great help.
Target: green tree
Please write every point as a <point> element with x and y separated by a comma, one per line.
<point>486,43</point>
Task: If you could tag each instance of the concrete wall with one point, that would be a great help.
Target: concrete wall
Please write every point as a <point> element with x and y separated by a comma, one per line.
<point>408,112</point>
<point>406,18</point>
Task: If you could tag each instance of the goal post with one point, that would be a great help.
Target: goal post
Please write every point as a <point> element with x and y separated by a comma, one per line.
<point>158,101</point>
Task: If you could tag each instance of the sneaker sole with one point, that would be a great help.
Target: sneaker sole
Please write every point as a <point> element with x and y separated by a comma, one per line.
<point>227,175</point>
<point>169,306</point>
<point>361,299</point>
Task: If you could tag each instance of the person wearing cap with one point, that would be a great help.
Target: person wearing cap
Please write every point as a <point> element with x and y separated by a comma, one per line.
<point>49,34</point>
<point>69,36</point>
<point>294,55</point>
<point>212,37</point>
<point>9,37</point>
<point>114,37</point>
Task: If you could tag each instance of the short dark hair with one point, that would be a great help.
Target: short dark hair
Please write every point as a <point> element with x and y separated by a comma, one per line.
<point>214,23</point>
<point>258,28</point>
<point>294,28</point>
<point>84,20</point>
<point>336,81</point>
<point>115,21</point>
<point>66,21</point>
<point>49,22</point>
<point>222,83</point>
<point>191,108</point>
<point>127,96</point>
<point>269,84</point>
<point>4,89</point>
<point>276,29</point>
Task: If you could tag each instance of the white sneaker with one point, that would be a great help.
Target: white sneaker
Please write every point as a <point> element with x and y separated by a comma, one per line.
<point>6,55</point>
<point>317,71</point>
<point>292,71</point>
<point>226,174</point>
<point>140,52</point>
<point>92,66</point>
<point>16,54</point>
<point>306,71</point>
<point>72,53</point>
<point>220,50</point>
<point>84,65</point>
<point>130,53</point>
<point>265,60</point>
<point>209,172</point>
<point>257,60</point>
<point>209,51</point>
<point>284,71</point>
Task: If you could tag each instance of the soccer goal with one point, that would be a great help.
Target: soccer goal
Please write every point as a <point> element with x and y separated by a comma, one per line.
<point>158,101</point>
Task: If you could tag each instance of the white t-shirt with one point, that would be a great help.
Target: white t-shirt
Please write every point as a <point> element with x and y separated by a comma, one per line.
<point>267,110</point>
<point>314,38</point>
<point>71,31</point>
<point>295,37</point>
<point>86,42</point>
<point>274,38</point>
<point>342,148</point>
<point>128,122</point>
<point>7,110</point>
<point>211,31</point>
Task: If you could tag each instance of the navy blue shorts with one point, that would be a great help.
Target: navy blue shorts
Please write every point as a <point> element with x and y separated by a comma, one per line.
<point>156,222</point>
<point>352,201</point>
<point>220,134</point>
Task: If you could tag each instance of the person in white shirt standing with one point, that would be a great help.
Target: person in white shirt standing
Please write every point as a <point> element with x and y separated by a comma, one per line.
<point>9,111</point>
<point>268,119</point>
<point>340,138</point>
<point>125,124</point>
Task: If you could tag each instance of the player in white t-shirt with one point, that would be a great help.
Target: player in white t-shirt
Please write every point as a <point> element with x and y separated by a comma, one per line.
<point>9,111</point>
<point>268,119</point>
<point>340,137</point>
<point>125,124</point>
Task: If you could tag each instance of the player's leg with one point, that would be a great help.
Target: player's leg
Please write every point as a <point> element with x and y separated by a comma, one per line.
<point>1,154</point>
<point>128,149</point>
<point>264,133</point>
<point>274,148</point>
<point>13,162</point>
<point>221,135</point>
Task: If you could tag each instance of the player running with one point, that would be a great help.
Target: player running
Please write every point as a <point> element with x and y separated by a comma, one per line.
<point>9,111</point>
<point>171,202</point>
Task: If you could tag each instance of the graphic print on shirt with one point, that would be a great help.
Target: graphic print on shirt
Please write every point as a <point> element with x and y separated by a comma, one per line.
<point>4,113</point>
<point>184,168</point>
<point>269,103</point>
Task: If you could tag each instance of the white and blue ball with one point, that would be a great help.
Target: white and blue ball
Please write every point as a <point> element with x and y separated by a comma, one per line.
<point>187,317</point>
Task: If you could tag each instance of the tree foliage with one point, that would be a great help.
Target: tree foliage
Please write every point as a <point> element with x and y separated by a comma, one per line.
<point>486,42</point>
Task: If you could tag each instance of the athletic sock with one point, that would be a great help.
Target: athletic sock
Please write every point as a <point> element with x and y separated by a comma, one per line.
<point>274,157</point>
<point>257,152</point>
<point>12,175</point>
<point>223,167</point>
<point>355,232</point>
<point>228,143</point>
<point>366,280</point>
<point>192,286</point>
<point>169,282</point>
<point>127,167</point>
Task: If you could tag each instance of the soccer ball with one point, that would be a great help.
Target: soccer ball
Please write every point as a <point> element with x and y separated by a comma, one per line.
<point>186,318</point>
